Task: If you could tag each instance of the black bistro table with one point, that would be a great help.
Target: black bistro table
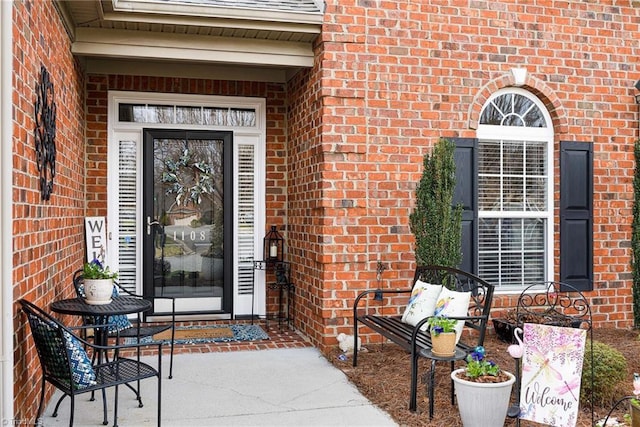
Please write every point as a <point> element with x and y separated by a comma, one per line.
<point>118,305</point>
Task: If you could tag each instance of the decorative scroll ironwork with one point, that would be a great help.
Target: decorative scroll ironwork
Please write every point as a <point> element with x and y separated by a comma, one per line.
<point>45,133</point>
<point>554,303</point>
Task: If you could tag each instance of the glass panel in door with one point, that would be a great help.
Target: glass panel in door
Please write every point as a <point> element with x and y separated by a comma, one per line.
<point>187,212</point>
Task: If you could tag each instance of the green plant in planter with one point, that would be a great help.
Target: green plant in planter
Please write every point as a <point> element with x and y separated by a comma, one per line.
<point>478,366</point>
<point>441,325</point>
<point>482,390</point>
<point>96,270</point>
<point>631,418</point>
<point>435,222</point>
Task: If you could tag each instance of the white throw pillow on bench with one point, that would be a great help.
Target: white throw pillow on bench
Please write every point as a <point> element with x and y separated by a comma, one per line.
<point>453,304</point>
<point>422,303</point>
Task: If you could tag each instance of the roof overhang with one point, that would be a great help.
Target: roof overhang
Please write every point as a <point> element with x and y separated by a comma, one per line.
<point>191,37</point>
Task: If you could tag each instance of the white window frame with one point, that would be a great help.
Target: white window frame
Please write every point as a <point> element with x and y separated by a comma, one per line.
<point>486,133</point>
<point>256,135</point>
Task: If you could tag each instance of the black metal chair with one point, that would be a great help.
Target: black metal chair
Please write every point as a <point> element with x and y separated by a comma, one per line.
<point>137,329</point>
<point>555,304</point>
<point>66,365</point>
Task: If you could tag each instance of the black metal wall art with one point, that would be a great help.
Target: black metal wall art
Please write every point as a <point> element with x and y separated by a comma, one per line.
<point>45,133</point>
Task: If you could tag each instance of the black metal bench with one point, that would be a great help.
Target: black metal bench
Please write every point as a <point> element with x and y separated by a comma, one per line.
<point>412,338</point>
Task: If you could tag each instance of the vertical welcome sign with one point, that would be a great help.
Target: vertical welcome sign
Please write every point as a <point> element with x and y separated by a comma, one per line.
<point>96,238</point>
<point>551,374</point>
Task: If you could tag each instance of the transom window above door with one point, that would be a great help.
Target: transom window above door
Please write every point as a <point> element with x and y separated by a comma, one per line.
<point>185,114</point>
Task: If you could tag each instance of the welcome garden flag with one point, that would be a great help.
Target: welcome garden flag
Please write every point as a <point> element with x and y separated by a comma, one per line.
<point>551,374</point>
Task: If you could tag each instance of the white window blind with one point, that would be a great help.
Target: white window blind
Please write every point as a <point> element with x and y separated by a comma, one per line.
<point>512,186</point>
<point>127,192</point>
<point>246,214</point>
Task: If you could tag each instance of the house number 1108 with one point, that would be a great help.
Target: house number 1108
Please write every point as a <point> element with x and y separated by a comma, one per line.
<point>192,235</point>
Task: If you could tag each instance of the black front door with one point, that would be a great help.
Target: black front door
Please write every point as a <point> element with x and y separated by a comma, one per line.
<point>187,210</point>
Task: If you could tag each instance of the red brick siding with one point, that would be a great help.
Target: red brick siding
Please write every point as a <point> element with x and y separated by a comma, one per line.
<point>48,235</point>
<point>305,229</point>
<point>392,77</point>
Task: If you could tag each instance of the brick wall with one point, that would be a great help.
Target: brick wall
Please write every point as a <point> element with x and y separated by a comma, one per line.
<point>391,77</point>
<point>48,235</point>
<point>310,272</point>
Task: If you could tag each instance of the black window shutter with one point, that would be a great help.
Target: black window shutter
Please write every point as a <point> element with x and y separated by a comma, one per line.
<point>576,214</point>
<point>466,194</point>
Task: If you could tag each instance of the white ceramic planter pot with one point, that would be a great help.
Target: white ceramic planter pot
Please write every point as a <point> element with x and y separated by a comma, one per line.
<point>482,404</point>
<point>98,291</point>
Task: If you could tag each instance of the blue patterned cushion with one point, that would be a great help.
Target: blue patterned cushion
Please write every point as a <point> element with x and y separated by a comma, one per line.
<point>121,321</point>
<point>82,371</point>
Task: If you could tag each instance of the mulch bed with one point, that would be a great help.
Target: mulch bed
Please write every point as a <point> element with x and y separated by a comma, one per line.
<point>383,376</point>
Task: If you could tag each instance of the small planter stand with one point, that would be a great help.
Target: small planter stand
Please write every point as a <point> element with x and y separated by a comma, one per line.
<point>281,271</point>
<point>458,355</point>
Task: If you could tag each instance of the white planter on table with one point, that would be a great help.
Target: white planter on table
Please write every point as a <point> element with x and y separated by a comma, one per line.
<point>98,291</point>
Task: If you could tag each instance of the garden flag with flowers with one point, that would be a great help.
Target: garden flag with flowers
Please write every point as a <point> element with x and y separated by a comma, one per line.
<point>551,374</point>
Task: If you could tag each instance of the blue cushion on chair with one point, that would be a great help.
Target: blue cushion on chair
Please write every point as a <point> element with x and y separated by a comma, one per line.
<point>82,371</point>
<point>121,321</point>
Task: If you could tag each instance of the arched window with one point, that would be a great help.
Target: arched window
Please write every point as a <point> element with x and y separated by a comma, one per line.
<point>515,190</point>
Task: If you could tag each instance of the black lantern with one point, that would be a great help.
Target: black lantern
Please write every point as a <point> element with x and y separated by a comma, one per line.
<point>273,246</point>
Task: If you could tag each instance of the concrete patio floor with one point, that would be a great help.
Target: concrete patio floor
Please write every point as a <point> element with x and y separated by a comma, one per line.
<point>291,386</point>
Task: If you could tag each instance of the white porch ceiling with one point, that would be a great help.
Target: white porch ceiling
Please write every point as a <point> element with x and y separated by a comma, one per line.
<point>250,39</point>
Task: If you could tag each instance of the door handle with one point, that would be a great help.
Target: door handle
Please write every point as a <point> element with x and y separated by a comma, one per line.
<point>149,224</point>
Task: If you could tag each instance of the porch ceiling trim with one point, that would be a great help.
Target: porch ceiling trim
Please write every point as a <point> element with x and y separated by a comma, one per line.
<point>192,48</point>
<point>193,70</point>
<point>262,35</point>
<point>131,9</point>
